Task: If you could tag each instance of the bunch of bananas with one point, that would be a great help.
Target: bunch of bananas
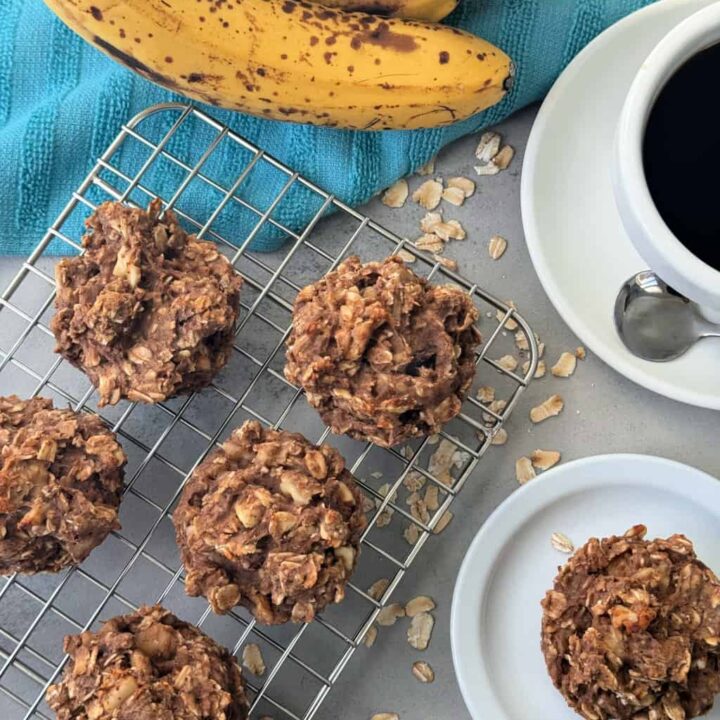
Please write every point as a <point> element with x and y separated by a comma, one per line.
<point>327,64</point>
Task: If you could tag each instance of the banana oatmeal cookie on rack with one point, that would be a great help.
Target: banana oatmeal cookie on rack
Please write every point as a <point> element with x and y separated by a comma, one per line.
<point>382,354</point>
<point>148,666</point>
<point>61,478</point>
<point>147,312</point>
<point>631,630</point>
<point>272,522</point>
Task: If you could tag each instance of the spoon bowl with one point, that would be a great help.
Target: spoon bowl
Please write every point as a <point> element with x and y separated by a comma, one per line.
<point>655,322</point>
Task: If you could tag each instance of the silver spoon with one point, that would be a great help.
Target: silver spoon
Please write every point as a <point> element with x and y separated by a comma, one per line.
<point>655,322</point>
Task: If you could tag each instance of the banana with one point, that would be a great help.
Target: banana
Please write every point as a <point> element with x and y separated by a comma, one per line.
<point>289,60</point>
<point>427,10</point>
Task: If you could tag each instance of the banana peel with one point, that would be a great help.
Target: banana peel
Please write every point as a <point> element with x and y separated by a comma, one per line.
<point>290,60</point>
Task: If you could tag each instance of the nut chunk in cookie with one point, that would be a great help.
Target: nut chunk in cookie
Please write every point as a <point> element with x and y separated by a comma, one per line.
<point>631,630</point>
<point>151,666</point>
<point>61,478</point>
<point>382,354</point>
<point>148,312</point>
<point>272,522</point>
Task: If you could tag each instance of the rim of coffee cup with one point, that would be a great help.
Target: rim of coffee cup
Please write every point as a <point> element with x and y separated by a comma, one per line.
<point>656,243</point>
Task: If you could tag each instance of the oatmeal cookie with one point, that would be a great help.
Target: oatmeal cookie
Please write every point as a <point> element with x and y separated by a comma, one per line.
<point>148,666</point>
<point>382,354</point>
<point>271,522</point>
<point>148,312</point>
<point>61,477</point>
<point>631,630</point>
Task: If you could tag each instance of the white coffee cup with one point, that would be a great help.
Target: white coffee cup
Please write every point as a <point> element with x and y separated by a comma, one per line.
<point>658,246</point>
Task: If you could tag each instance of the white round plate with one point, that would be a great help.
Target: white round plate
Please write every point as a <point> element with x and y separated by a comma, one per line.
<point>574,233</point>
<point>496,614</point>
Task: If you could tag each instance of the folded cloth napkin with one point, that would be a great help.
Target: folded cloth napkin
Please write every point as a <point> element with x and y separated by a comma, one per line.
<point>62,102</point>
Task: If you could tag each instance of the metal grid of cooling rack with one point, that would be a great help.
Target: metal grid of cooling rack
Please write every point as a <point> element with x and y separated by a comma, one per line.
<point>139,564</point>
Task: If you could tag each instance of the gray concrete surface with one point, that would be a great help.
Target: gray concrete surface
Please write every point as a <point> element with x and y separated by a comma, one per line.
<point>604,413</point>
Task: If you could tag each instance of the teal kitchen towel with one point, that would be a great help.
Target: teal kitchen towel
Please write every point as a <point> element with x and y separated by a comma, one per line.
<point>62,102</point>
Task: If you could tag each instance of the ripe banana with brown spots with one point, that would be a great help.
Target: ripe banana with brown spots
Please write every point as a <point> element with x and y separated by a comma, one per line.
<point>292,60</point>
<point>427,10</point>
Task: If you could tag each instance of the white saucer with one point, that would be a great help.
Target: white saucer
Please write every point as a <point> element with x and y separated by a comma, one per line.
<point>577,243</point>
<point>495,623</point>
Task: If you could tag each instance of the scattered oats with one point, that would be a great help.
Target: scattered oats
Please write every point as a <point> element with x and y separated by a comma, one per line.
<point>486,394</point>
<point>420,604</point>
<point>265,717</point>
<point>433,439</point>
<point>539,372</point>
<point>580,353</point>
<point>454,195</point>
<point>448,263</point>
<point>565,366</point>
<point>389,615</point>
<point>377,474</point>
<point>396,195</point>
<point>430,222</point>
<point>464,184</point>
<point>450,230</point>
<point>368,503</point>
<point>407,452</point>
<point>545,459</point>
<point>550,408</point>
<point>423,672</point>
<point>378,588</point>
<point>441,461</point>
<point>420,512</point>
<point>541,348</point>
<point>406,256</point>
<point>428,168</point>
<point>500,437</point>
<point>385,716</point>
<point>524,471</point>
<point>428,195</point>
<point>432,498</point>
<point>508,362</point>
<point>383,490</point>
<point>562,543</point>
<point>490,169</point>
<point>496,406</point>
<point>497,247</point>
<point>384,518</point>
<point>420,630</point>
<point>460,459</point>
<point>443,522</point>
<point>521,341</point>
<point>412,534</point>
<point>504,157</point>
<point>430,243</point>
<point>252,659</point>
<point>488,147</point>
<point>370,636</point>
<point>414,481</point>
<point>412,498</point>
<point>510,324</point>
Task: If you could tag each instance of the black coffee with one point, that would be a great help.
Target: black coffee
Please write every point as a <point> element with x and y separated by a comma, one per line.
<point>682,155</point>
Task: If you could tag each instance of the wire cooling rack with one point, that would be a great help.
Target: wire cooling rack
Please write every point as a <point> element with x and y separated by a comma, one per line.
<point>140,564</point>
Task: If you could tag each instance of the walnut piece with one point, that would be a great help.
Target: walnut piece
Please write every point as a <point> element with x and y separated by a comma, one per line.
<point>61,479</point>
<point>148,665</point>
<point>382,354</point>
<point>271,522</point>
<point>148,312</point>
<point>629,629</point>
